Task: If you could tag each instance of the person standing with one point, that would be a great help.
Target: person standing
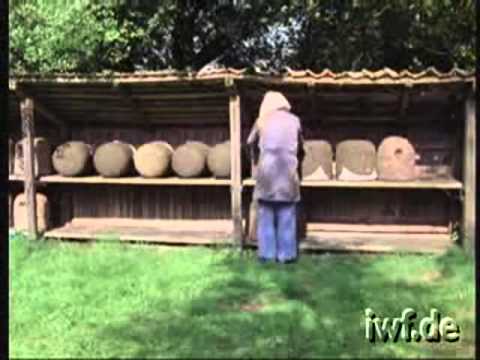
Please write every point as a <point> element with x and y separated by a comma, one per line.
<point>276,144</point>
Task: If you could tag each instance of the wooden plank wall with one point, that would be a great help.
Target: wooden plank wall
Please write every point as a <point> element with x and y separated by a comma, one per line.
<point>173,134</point>
<point>322,205</point>
<point>375,207</point>
<point>42,129</point>
<point>437,140</point>
<point>135,104</point>
<point>68,201</point>
<point>399,207</point>
<point>146,202</point>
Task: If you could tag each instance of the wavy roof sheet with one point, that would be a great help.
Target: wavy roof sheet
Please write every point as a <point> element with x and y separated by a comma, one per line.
<point>385,76</point>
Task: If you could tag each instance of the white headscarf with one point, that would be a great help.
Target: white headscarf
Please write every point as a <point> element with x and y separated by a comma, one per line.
<point>272,101</point>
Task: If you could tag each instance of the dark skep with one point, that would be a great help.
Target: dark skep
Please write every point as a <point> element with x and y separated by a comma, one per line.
<point>42,157</point>
<point>190,159</point>
<point>73,158</point>
<point>20,213</point>
<point>396,159</point>
<point>152,160</point>
<point>218,160</point>
<point>357,158</point>
<point>114,159</point>
<point>318,154</point>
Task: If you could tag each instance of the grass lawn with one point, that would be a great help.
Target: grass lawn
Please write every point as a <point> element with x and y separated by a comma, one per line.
<point>117,300</point>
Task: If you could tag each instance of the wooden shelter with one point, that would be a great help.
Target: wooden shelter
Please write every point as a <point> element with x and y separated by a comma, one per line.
<point>435,111</point>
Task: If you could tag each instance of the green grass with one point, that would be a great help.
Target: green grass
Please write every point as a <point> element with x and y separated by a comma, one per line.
<point>115,300</point>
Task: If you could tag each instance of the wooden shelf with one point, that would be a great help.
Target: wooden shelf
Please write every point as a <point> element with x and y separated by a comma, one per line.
<point>375,242</point>
<point>19,179</point>
<point>378,184</point>
<point>202,231</point>
<point>376,228</point>
<point>15,178</point>
<point>209,181</point>
<point>211,232</point>
<point>378,242</point>
<point>131,180</point>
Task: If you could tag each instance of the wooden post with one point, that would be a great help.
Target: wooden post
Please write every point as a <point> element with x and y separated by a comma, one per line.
<point>26,110</point>
<point>44,111</point>
<point>236,167</point>
<point>469,169</point>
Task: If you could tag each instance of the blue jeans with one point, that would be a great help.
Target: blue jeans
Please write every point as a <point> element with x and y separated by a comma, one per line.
<point>276,230</point>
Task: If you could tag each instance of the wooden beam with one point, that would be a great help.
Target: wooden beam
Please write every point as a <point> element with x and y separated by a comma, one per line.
<point>186,110</point>
<point>378,184</point>
<point>134,180</point>
<point>44,111</point>
<point>137,93</point>
<point>99,122</point>
<point>377,228</point>
<point>27,111</point>
<point>376,242</point>
<point>180,96</point>
<point>235,160</point>
<point>201,231</point>
<point>469,173</point>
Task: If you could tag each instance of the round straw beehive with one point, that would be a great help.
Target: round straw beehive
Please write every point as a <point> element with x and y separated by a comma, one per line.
<point>41,157</point>
<point>72,158</point>
<point>153,159</point>
<point>20,218</point>
<point>356,160</point>
<point>218,160</point>
<point>396,159</point>
<point>113,159</point>
<point>190,159</point>
<point>318,161</point>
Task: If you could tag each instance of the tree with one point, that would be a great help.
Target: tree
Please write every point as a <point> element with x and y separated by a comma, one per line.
<point>189,34</point>
<point>372,34</point>
<point>127,35</point>
<point>61,36</point>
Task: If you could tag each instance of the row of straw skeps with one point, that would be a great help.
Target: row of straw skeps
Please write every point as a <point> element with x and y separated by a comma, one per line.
<point>354,159</point>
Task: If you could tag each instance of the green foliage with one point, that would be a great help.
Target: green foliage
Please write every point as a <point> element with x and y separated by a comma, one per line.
<point>121,35</point>
<point>59,36</point>
<point>372,34</point>
<point>187,34</point>
<point>104,300</point>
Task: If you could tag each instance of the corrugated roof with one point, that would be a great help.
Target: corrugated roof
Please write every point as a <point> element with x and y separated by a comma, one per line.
<point>381,77</point>
<point>170,96</point>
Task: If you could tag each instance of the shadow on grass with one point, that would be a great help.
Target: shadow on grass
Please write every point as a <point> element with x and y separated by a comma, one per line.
<point>206,303</point>
<point>314,308</point>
